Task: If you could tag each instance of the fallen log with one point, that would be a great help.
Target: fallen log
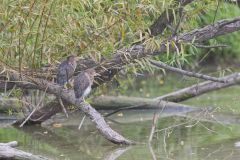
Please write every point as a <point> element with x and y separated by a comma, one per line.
<point>201,88</point>
<point>121,102</point>
<point>8,152</point>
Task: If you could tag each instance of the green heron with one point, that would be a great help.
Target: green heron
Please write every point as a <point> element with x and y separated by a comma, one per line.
<point>66,70</point>
<point>83,82</point>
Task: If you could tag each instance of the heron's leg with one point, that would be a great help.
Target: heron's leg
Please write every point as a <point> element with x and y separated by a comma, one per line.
<point>63,107</point>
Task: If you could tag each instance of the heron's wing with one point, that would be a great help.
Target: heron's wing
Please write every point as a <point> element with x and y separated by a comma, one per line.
<point>65,72</point>
<point>81,83</point>
<point>61,73</point>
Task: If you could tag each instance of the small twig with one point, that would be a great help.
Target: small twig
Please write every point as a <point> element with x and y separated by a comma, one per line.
<point>124,108</point>
<point>211,46</point>
<point>81,123</point>
<point>187,73</point>
<point>215,14</point>
<point>154,123</point>
<point>180,20</point>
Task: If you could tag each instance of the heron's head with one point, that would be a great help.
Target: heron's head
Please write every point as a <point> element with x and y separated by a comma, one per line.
<point>72,58</point>
<point>92,72</point>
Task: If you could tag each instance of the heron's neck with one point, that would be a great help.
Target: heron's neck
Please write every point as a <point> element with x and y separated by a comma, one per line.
<point>90,77</point>
<point>73,64</point>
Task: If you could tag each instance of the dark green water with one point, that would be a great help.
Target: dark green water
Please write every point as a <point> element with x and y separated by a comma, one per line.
<point>177,137</point>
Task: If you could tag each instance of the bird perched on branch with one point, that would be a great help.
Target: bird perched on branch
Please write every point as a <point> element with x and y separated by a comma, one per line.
<point>66,70</point>
<point>83,82</point>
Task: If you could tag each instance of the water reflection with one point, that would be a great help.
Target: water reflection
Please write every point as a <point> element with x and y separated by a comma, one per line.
<point>176,137</point>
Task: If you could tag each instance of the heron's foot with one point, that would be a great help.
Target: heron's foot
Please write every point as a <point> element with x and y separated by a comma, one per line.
<point>68,85</point>
<point>65,86</point>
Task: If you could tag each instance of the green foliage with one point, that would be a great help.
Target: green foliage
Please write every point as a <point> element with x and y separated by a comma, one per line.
<point>36,33</point>
<point>39,32</point>
<point>232,40</point>
<point>230,53</point>
<point>16,92</point>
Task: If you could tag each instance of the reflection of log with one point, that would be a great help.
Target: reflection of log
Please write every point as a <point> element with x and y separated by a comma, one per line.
<point>201,88</point>
<point>8,152</point>
<point>116,153</point>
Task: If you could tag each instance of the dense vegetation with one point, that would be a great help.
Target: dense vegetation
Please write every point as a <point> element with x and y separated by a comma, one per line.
<point>37,33</point>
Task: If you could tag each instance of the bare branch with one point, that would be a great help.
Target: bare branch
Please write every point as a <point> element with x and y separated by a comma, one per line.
<point>183,72</point>
<point>211,46</point>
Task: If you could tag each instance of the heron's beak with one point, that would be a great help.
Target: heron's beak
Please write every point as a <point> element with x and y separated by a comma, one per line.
<point>97,74</point>
<point>77,58</point>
